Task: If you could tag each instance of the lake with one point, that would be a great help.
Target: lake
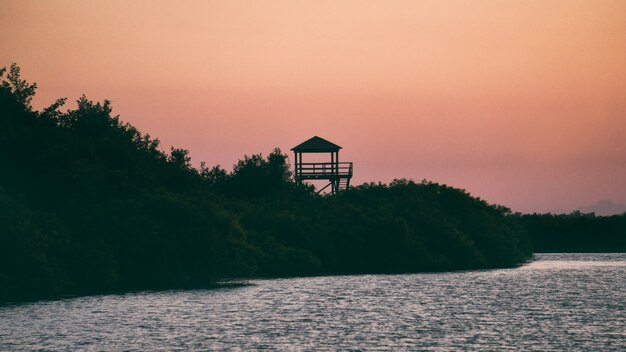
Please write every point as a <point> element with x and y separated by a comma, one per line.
<point>559,302</point>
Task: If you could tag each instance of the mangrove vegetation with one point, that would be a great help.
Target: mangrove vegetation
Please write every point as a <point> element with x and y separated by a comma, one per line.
<point>88,204</point>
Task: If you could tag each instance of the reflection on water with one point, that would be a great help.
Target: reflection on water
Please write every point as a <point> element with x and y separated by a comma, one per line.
<point>560,302</point>
<point>571,264</point>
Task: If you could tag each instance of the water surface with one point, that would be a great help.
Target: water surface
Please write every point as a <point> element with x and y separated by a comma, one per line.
<point>559,302</point>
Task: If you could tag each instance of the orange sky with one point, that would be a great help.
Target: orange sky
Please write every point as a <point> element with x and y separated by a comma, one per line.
<point>522,103</point>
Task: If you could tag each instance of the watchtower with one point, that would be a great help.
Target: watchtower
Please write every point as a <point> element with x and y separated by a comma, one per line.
<point>338,174</point>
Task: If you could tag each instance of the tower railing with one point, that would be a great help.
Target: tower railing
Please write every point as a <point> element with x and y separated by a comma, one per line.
<point>325,170</point>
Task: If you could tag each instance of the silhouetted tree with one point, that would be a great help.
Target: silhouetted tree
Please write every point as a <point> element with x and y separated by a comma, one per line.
<point>90,204</point>
<point>21,90</point>
<point>180,158</point>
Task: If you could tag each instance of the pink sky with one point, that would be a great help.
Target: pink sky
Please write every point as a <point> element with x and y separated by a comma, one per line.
<point>522,103</point>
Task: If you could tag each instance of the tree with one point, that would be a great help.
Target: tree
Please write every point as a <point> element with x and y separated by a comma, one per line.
<point>22,90</point>
<point>180,158</point>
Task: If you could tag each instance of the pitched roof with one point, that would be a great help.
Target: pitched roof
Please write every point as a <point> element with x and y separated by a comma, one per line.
<point>316,145</point>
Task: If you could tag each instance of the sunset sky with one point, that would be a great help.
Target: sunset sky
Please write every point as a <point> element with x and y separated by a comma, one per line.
<point>521,103</point>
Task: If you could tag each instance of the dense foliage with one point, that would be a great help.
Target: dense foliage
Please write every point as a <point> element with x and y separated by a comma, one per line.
<point>576,232</point>
<point>89,204</point>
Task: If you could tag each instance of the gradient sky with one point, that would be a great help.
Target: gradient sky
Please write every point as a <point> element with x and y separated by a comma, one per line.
<point>522,103</point>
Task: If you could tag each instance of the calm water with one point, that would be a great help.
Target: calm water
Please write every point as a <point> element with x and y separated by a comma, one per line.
<point>563,302</point>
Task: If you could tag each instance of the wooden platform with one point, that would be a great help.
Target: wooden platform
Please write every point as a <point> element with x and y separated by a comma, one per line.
<point>339,173</point>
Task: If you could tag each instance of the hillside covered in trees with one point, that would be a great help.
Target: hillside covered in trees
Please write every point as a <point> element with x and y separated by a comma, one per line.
<point>88,204</point>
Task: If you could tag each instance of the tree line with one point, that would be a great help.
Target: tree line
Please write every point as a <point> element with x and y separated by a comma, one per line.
<point>88,204</point>
<point>576,232</point>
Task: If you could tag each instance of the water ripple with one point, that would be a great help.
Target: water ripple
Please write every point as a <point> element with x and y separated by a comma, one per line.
<point>568,302</point>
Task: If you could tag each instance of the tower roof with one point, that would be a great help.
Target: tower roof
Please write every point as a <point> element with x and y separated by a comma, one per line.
<point>316,145</point>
